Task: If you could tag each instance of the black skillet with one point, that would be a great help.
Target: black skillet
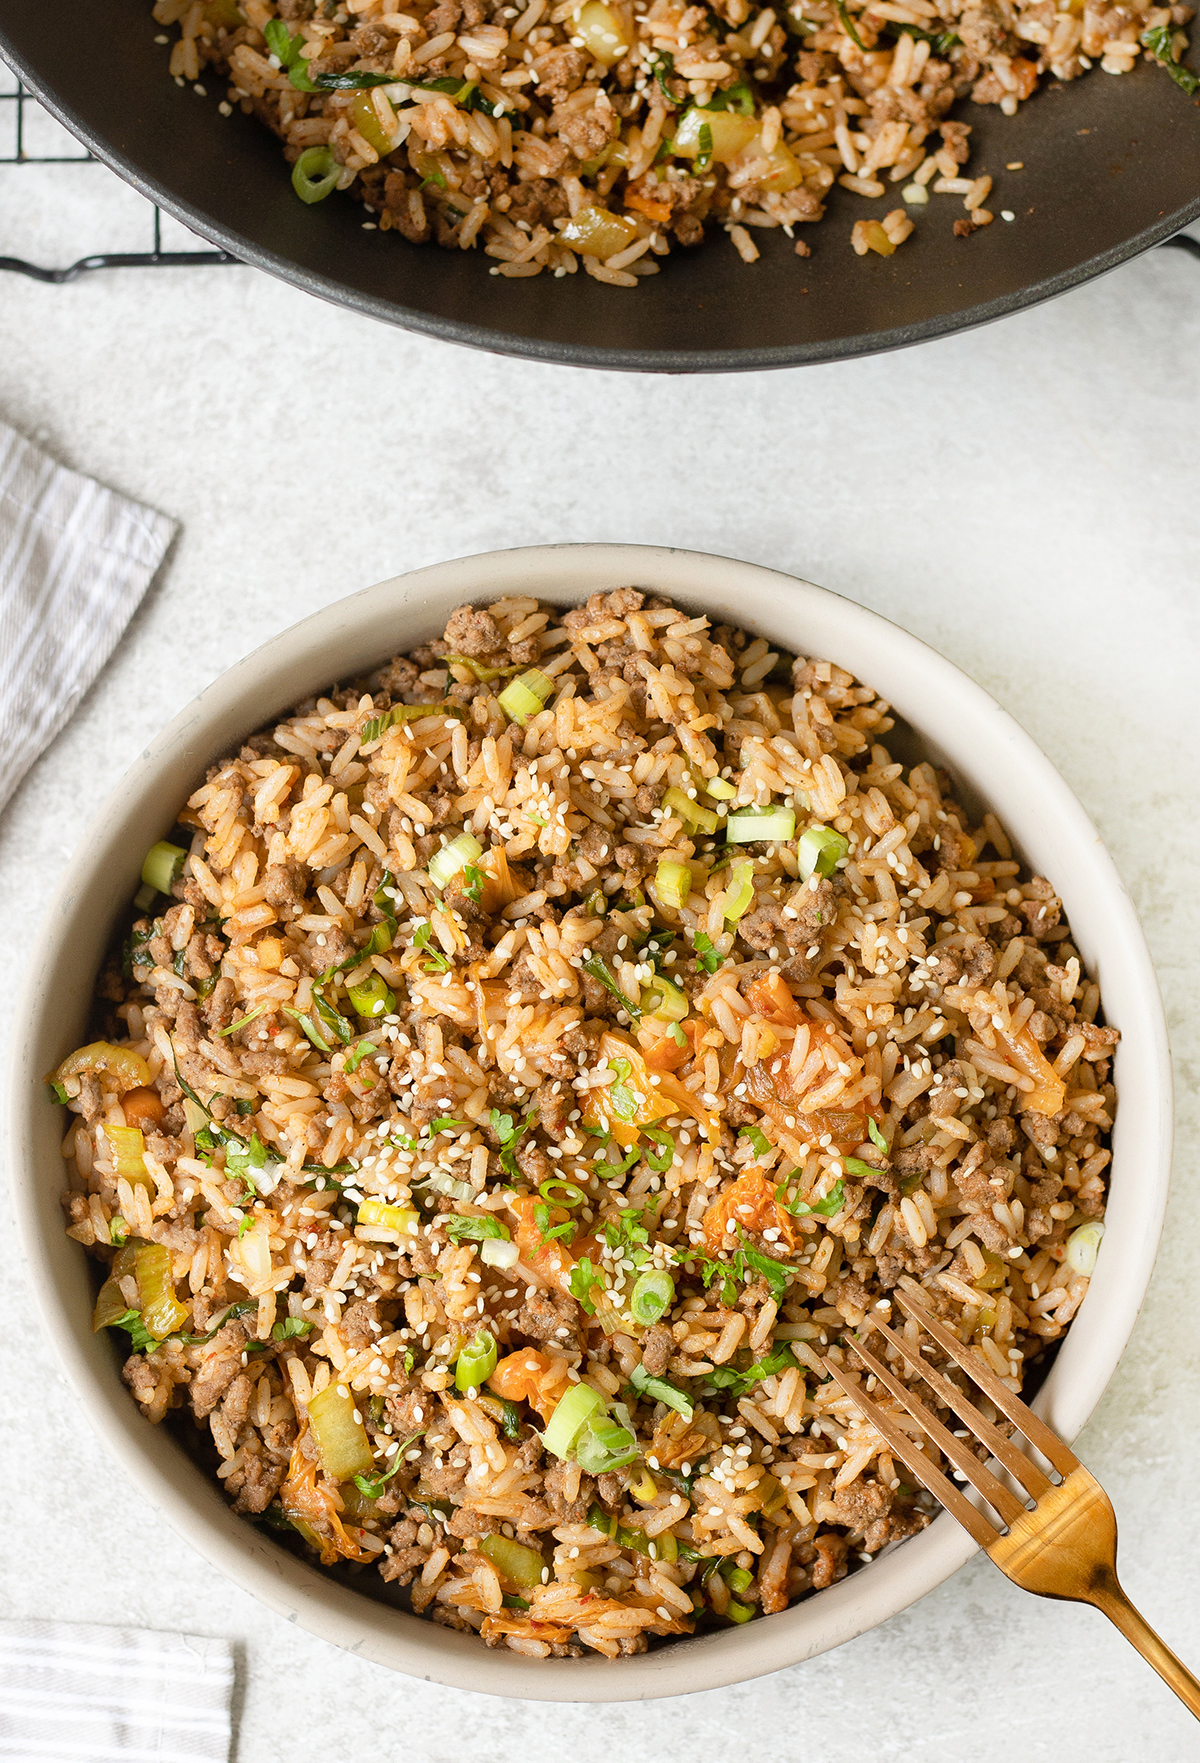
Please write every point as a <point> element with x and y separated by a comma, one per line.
<point>1111,167</point>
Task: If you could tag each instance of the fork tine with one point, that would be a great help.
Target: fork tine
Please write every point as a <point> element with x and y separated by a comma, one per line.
<point>1002,1499</point>
<point>1004,1451</point>
<point>901,1446</point>
<point>1023,1418</point>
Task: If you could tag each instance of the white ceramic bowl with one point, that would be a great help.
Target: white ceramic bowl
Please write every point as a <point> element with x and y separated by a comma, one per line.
<point>957,723</point>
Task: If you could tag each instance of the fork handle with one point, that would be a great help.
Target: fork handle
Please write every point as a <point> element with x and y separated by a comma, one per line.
<point>1112,1600</point>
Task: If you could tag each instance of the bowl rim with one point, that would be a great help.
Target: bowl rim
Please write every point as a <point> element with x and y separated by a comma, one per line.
<point>250,252</point>
<point>940,700</point>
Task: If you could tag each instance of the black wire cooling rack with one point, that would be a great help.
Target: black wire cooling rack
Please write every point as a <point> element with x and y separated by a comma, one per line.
<point>16,107</point>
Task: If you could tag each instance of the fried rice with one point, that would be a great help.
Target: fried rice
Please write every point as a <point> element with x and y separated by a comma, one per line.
<point>525,1066</point>
<point>602,133</point>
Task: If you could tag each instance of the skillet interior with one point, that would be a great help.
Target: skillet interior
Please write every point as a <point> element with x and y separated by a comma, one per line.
<point>1111,167</point>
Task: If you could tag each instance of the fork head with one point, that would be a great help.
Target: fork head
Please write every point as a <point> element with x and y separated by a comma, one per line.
<point>1055,1538</point>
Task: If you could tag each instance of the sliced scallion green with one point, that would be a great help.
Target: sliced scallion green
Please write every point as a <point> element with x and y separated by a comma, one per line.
<point>445,864</point>
<point>683,808</point>
<point>576,1407</point>
<point>749,825</point>
<point>820,851</point>
<point>602,1445</point>
<point>674,884</point>
<point>525,696</point>
<point>373,997</point>
<point>476,1362</point>
<point>652,1296</point>
<point>739,1612</point>
<point>163,863</point>
<point>315,174</point>
<point>739,893</point>
<point>661,998</point>
<point>1083,1246</point>
<point>720,787</point>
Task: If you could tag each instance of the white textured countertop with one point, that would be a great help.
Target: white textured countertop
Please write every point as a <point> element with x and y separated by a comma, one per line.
<point>1023,498</point>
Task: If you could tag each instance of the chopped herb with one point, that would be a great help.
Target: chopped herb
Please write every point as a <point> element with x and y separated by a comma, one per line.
<point>940,41</point>
<point>856,1166</point>
<point>475,1230</point>
<point>706,956</point>
<point>243,1020</point>
<point>742,1377</point>
<point>437,963</point>
<point>829,1207</point>
<point>677,1035</point>
<point>1161,44</point>
<point>292,1328</point>
<point>705,142</point>
<point>244,1105</point>
<point>758,1139</point>
<point>359,1054</point>
<point>627,1233</point>
<point>118,1231</point>
<point>241,1308</point>
<point>371,1486</point>
<point>663,65</point>
<point>474,878</point>
<point>749,1261</point>
<point>435,177</point>
<point>241,1157</point>
<point>246,1224</point>
<point>848,26</point>
<point>309,1027</point>
<point>140,1337</point>
<point>661,1159</point>
<point>287,49</point>
<point>657,1389</point>
<point>510,1136</point>
<point>876,1137</point>
<point>57,1092</point>
<point>583,1278</point>
<point>599,971</point>
<point>548,1232</point>
<point>446,1123</point>
<point>712,1271</point>
<point>626,1102</point>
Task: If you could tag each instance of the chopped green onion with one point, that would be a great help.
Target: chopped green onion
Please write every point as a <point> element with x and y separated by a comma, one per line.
<point>652,1296</point>
<point>738,1612</point>
<point>315,174</point>
<point>58,1093</point>
<point>1161,43</point>
<point>758,1139</point>
<point>848,26</point>
<point>163,863</point>
<point>720,787</point>
<point>1083,1246</point>
<point>118,1231</point>
<point>739,892</point>
<point>475,1230</point>
<point>749,825</point>
<point>659,1390</point>
<point>243,1020</point>
<point>144,899</point>
<point>576,1407</point>
<point>476,1362</point>
<point>561,1193</point>
<point>494,1253</point>
<point>373,997</point>
<point>602,1445</point>
<point>661,998</point>
<point>674,884</point>
<point>661,1159</point>
<point>684,808</point>
<point>479,668</point>
<point>379,725</point>
<point>820,851</point>
<point>738,1579</point>
<point>445,864</point>
<point>525,696</point>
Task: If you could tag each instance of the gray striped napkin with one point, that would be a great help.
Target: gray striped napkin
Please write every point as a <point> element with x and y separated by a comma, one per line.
<point>75,560</point>
<point>80,1694</point>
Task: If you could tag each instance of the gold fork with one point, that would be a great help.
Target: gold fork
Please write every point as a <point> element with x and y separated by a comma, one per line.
<point>1065,1545</point>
